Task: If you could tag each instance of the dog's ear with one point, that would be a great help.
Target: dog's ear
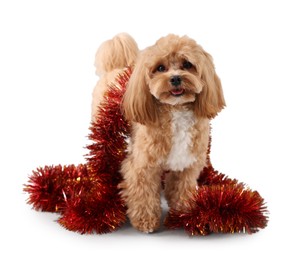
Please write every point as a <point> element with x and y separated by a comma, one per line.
<point>138,104</point>
<point>211,100</point>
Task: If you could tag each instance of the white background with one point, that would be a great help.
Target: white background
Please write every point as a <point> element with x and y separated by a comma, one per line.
<point>46,78</point>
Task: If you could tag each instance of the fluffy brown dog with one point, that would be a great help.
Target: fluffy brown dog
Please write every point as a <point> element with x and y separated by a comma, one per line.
<point>172,95</point>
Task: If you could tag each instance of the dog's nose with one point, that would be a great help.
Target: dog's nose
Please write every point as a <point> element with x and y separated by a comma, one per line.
<point>175,80</point>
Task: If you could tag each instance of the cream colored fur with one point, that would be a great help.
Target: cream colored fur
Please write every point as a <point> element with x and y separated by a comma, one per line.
<point>180,156</point>
<point>110,60</point>
<point>170,121</point>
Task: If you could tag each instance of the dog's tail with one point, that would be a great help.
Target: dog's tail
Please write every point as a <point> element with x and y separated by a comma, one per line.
<point>110,60</point>
<point>116,53</point>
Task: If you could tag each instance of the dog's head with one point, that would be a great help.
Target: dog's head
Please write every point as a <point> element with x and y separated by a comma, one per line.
<point>175,71</point>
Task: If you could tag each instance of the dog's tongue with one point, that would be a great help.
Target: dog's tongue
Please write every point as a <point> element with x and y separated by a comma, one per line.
<point>177,92</point>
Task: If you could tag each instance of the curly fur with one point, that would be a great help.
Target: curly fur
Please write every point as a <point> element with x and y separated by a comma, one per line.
<point>111,58</point>
<point>172,95</point>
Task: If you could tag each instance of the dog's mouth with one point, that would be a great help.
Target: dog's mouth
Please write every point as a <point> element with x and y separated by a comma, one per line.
<point>177,92</point>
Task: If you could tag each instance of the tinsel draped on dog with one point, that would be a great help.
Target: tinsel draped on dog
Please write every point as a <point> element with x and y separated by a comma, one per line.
<point>150,131</point>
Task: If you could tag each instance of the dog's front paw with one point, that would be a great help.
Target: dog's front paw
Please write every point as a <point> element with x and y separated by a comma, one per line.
<point>146,223</point>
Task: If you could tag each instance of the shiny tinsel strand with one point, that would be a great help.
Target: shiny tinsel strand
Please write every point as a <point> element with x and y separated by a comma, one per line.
<point>87,196</point>
<point>95,206</point>
<point>220,205</point>
<point>49,187</point>
<point>209,176</point>
<point>110,131</point>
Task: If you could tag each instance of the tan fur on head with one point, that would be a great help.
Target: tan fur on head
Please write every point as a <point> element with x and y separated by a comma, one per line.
<point>200,83</point>
<point>138,103</point>
<point>171,96</point>
<point>211,100</point>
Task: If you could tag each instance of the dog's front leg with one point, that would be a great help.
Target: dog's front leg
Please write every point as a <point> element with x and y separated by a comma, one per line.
<point>180,187</point>
<point>141,192</point>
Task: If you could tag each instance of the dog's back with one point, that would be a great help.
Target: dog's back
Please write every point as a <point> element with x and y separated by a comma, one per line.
<point>111,58</point>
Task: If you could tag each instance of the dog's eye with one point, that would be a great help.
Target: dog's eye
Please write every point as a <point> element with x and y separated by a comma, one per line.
<point>161,68</point>
<point>187,65</point>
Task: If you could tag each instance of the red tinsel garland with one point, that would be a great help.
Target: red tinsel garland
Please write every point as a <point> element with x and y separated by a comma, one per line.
<point>221,205</point>
<point>87,196</point>
<point>51,186</point>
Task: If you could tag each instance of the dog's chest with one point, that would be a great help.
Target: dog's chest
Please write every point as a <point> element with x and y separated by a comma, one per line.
<point>180,155</point>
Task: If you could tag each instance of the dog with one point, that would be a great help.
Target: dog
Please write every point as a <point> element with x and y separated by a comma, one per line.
<point>172,94</point>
